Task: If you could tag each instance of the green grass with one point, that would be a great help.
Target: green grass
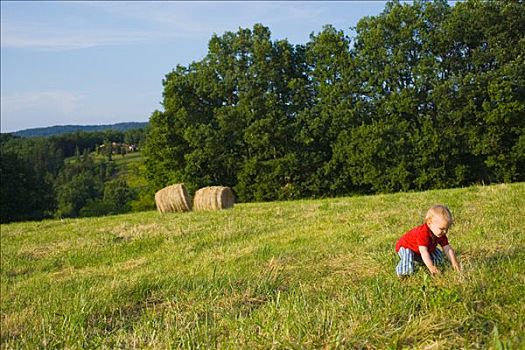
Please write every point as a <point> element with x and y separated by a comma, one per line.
<point>130,167</point>
<point>311,274</point>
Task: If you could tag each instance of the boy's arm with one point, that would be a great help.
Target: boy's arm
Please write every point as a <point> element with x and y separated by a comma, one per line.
<point>451,255</point>
<point>425,255</point>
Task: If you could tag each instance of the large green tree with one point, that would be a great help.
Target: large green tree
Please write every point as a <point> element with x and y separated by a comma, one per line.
<point>230,119</point>
<point>334,97</point>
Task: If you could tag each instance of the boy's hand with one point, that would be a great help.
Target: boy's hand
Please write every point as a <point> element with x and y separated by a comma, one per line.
<point>434,270</point>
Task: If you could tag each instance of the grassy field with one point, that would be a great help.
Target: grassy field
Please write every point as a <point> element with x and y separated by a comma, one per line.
<point>129,167</point>
<point>311,274</point>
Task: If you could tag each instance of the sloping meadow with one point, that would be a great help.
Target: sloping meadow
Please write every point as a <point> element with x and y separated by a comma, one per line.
<point>299,274</point>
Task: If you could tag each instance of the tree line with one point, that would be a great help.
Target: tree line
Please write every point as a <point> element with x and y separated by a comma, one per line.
<point>422,96</point>
<point>58,176</point>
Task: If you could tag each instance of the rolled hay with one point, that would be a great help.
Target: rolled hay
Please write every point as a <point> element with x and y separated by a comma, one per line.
<point>172,199</point>
<point>213,198</point>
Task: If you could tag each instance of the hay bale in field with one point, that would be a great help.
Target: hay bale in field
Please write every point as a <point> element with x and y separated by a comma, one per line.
<point>173,198</point>
<point>213,198</point>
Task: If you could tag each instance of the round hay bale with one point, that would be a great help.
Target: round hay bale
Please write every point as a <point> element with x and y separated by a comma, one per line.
<point>172,199</point>
<point>213,198</point>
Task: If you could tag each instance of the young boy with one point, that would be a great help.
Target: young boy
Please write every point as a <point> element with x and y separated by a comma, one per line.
<point>420,243</point>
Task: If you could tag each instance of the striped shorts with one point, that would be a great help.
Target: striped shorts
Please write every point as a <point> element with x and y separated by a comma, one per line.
<point>408,258</point>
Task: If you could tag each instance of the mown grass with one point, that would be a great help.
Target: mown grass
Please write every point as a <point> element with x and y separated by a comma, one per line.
<point>130,167</point>
<point>311,274</point>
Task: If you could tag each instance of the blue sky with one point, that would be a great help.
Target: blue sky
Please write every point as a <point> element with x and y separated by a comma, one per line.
<point>99,62</point>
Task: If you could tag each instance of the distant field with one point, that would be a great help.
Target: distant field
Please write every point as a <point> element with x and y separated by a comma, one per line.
<point>129,167</point>
<point>310,274</point>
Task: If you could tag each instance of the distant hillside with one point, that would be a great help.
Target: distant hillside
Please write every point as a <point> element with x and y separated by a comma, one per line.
<point>64,129</point>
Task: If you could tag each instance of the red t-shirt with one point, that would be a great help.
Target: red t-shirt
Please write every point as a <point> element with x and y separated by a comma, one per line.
<point>418,236</point>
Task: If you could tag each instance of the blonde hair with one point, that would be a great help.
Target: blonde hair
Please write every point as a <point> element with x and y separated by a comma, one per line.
<point>441,211</point>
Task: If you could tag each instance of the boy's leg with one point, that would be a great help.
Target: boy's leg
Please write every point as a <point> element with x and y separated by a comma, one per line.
<point>406,264</point>
<point>437,257</point>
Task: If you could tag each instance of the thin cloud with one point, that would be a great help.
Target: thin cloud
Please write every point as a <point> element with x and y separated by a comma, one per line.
<point>66,43</point>
<point>61,101</point>
<point>116,24</point>
<point>39,38</point>
<point>175,19</point>
<point>25,110</point>
<point>149,21</point>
